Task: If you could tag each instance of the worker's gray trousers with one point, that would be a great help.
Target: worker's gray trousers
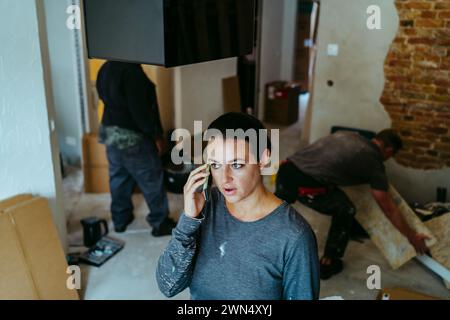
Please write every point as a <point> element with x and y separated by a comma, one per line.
<point>137,165</point>
<point>336,204</point>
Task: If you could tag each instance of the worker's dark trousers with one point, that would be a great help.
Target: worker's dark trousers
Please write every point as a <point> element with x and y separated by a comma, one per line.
<point>139,164</point>
<point>334,203</point>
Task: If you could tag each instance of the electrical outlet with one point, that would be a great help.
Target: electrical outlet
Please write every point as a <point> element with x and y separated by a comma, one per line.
<point>333,49</point>
<point>71,141</point>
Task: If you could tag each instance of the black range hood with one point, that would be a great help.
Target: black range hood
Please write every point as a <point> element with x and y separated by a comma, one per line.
<point>169,32</point>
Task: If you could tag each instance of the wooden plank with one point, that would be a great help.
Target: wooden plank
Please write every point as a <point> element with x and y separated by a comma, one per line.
<point>402,294</point>
<point>393,245</point>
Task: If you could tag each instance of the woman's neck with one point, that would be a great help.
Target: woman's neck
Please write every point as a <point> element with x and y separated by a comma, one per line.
<point>256,206</point>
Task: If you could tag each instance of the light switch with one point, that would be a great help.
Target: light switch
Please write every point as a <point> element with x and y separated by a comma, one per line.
<point>52,125</point>
<point>333,49</point>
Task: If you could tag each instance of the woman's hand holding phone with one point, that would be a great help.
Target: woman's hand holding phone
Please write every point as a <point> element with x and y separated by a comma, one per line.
<point>193,200</point>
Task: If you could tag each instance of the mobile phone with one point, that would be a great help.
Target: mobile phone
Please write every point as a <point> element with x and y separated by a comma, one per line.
<point>207,185</point>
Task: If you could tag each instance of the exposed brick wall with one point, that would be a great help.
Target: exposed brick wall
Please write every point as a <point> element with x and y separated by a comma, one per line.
<point>417,89</point>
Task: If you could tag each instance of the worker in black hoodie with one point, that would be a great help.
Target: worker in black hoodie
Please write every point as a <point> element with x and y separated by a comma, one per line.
<point>132,132</point>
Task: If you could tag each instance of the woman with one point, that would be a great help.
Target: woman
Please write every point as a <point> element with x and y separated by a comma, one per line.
<point>243,242</point>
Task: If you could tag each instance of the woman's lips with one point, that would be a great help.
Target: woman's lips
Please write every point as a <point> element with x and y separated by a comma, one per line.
<point>229,191</point>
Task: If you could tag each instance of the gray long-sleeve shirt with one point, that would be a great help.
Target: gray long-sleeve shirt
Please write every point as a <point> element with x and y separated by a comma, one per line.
<point>222,258</point>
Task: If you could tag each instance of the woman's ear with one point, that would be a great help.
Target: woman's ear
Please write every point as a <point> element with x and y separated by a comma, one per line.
<point>265,159</point>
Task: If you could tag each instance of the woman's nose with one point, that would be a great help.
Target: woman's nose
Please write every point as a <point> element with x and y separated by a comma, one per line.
<point>226,174</point>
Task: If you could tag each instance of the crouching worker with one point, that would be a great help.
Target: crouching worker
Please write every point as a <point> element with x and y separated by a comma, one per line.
<point>314,174</point>
<point>241,242</point>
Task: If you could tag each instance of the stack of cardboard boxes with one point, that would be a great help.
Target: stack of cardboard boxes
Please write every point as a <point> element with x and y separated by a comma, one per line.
<point>95,165</point>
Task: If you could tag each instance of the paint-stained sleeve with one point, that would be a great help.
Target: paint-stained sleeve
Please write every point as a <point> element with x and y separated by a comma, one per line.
<point>176,264</point>
<point>301,271</point>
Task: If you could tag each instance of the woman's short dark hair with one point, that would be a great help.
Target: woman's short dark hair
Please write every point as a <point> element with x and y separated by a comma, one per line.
<point>390,138</point>
<point>241,121</point>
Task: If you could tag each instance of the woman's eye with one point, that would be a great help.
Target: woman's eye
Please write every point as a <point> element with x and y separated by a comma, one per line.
<point>237,165</point>
<point>215,166</point>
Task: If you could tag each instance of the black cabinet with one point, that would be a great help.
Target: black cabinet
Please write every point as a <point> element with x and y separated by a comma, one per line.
<point>169,32</point>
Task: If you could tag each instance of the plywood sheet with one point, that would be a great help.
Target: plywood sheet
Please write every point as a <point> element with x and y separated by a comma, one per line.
<point>440,227</point>
<point>393,245</point>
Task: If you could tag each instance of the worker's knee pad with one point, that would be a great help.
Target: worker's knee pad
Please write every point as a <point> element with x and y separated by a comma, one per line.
<point>351,211</point>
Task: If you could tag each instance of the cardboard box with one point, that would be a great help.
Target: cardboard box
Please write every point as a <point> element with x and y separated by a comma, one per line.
<point>32,261</point>
<point>281,103</point>
<point>94,153</point>
<point>96,179</point>
<point>95,165</point>
<point>231,95</point>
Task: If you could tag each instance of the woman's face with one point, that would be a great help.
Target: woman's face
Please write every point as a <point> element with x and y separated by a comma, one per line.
<point>234,168</point>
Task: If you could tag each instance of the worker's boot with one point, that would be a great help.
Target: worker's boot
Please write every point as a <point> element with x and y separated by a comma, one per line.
<point>123,227</point>
<point>329,270</point>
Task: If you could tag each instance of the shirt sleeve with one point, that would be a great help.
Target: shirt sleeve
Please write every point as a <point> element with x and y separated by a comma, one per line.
<point>378,180</point>
<point>142,100</point>
<point>176,264</point>
<point>301,272</point>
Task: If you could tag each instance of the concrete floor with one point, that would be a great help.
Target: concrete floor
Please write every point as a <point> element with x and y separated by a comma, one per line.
<point>131,273</point>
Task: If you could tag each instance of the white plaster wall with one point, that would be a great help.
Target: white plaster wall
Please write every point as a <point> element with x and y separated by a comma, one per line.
<point>28,147</point>
<point>289,39</point>
<point>277,47</point>
<point>358,78</point>
<point>357,72</point>
<point>63,64</point>
<point>271,47</point>
<point>198,91</point>
<point>163,79</point>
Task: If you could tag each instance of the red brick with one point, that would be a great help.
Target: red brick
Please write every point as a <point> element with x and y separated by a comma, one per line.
<point>440,98</point>
<point>442,147</point>
<point>442,90</point>
<point>433,153</point>
<point>418,5</point>
<point>442,6</point>
<point>417,88</point>
<point>444,14</point>
<point>421,40</point>
<point>400,63</point>
<point>439,51</point>
<point>399,78</point>
<point>409,31</point>
<point>429,14</point>
<point>438,130</point>
<point>429,23</point>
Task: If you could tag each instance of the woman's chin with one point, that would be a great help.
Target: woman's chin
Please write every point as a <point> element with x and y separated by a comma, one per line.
<point>232,198</point>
